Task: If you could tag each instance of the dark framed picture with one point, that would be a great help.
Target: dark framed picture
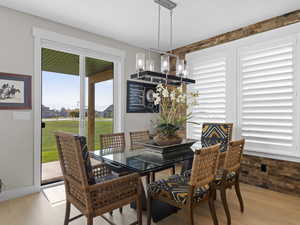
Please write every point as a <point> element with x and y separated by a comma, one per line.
<point>15,91</point>
<point>140,97</point>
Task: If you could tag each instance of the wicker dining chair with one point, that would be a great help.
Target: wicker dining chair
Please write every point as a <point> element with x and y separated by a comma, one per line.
<point>112,143</point>
<point>214,133</point>
<point>94,191</point>
<point>230,175</point>
<point>190,189</point>
<point>136,137</point>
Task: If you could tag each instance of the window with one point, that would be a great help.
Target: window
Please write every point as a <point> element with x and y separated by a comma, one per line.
<point>210,76</point>
<point>253,83</point>
<point>267,97</point>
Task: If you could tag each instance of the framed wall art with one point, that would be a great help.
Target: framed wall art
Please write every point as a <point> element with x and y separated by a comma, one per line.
<point>15,91</point>
<point>140,97</point>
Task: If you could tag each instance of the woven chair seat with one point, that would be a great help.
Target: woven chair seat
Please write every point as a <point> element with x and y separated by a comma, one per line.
<point>176,188</point>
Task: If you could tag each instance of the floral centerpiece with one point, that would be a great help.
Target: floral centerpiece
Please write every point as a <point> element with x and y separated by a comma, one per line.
<point>174,104</point>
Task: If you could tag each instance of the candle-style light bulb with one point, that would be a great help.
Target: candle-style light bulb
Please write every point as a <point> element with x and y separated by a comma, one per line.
<point>179,67</point>
<point>150,65</point>
<point>140,62</point>
<point>186,71</point>
<point>165,63</point>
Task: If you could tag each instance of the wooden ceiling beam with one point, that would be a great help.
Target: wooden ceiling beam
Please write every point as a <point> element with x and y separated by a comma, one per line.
<point>263,26</point>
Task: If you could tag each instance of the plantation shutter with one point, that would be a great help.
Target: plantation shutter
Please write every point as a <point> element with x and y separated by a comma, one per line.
<point>267,97</point>
<point>210,76</point>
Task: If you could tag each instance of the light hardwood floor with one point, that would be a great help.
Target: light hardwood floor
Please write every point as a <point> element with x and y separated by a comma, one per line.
<point>262,207</point>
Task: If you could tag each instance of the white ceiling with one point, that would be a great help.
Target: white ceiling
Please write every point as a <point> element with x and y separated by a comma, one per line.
<point>135,21</point>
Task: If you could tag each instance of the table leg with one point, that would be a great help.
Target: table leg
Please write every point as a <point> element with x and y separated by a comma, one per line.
<point>186,165</point>
<point>148,178</point>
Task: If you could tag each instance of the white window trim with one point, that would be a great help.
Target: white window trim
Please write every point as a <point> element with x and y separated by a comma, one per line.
<point>234,46</point>
<point>48,39</point>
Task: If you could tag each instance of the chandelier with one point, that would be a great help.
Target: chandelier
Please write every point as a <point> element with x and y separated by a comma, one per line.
<point>145,66</point>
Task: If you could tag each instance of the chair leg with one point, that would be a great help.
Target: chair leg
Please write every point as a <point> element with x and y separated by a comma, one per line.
<point>225,204</point>
<point>149,209</point>
<point>121,210</point>
<point>148,179</point>
<point>214,195</point>
<point>89,220</point>
<point>211,203</point>
<point>153,177</point>
<point>239,195</point>
<point>67,215</point>
<point>190,217</point>
<point>173,170</point>
<point>139,211</point>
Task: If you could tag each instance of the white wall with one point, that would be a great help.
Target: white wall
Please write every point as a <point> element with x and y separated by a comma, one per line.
<point>17,56</point>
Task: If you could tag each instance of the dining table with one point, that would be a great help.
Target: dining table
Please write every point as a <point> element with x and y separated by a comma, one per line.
<point>145,161</point>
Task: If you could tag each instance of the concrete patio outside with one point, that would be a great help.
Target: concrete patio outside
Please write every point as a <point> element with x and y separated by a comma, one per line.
<point>51,171</point>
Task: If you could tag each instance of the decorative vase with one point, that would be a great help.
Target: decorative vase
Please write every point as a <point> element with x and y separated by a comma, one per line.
<point>163,140</point>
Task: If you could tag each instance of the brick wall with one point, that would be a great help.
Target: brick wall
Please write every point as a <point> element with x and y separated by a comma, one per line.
<point>276,175</point>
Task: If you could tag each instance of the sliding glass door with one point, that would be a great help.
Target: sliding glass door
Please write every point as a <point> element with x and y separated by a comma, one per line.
<point>99,108</point>
<point>77,97</point>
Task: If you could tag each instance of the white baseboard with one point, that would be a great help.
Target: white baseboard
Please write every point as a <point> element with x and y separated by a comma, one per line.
<point>18,192</point>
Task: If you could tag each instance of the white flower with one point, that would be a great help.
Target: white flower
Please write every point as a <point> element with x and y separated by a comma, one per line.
<point>180,89</point>
<point>157,101</point>
<point>155,95</point>
<point>165,93</point>
<point>173,95</point>
<point>159,87</point>
<point>183,97</point>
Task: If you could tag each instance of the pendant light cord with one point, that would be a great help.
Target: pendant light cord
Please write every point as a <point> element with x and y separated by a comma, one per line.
<point>158,28</point>
<point>171,30</point>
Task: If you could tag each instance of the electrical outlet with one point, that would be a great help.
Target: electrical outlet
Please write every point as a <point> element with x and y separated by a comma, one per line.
<point>263,168</point>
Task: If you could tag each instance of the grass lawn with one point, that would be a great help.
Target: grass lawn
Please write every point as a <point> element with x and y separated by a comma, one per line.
<point>49,151</point>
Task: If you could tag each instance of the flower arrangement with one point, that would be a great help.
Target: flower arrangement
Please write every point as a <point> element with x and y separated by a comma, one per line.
<point>174,104</point>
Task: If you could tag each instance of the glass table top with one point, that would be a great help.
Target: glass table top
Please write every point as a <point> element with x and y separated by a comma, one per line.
<point>144,161</point>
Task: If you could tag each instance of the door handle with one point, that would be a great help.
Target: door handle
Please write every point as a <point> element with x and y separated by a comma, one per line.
<point>43,124</point>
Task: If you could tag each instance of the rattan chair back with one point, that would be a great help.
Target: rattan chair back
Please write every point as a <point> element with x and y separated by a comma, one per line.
<point>138,136</point>
<point>205,165</point>
<point>112,143</point>
<point>72,165</point>
<point>234,155</point>
<point>215,133</point>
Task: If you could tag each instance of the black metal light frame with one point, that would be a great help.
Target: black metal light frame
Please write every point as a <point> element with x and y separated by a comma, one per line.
<point>156,77</point>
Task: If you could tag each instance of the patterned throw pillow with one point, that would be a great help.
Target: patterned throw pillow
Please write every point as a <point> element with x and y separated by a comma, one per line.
<point>86,159</point>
